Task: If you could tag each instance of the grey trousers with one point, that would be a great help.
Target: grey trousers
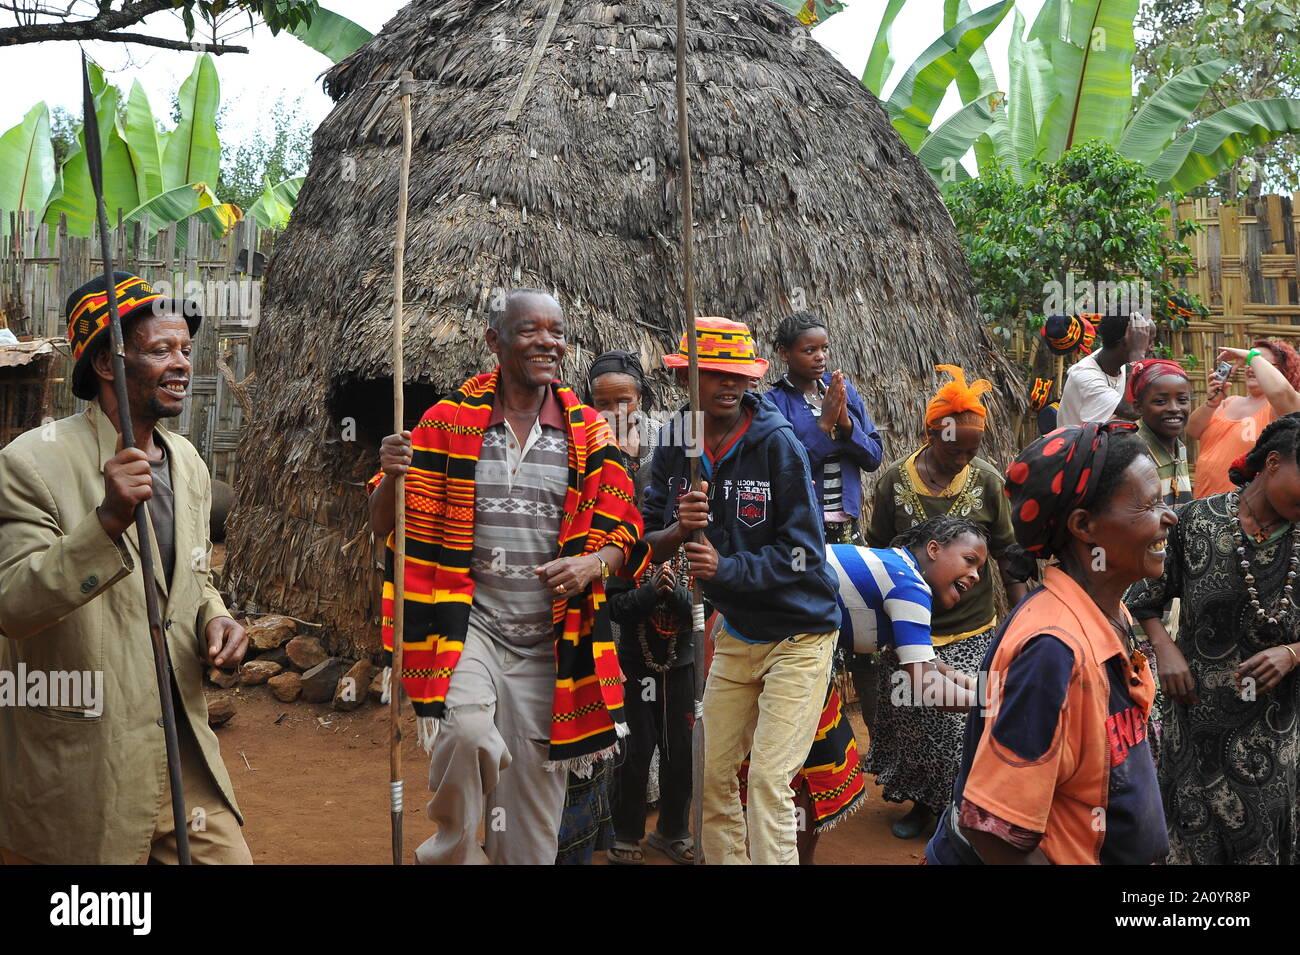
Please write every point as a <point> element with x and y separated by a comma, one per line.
<point>487,762</point>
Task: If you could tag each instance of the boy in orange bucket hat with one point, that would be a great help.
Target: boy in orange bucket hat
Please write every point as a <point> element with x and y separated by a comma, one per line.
<point>762,565</point>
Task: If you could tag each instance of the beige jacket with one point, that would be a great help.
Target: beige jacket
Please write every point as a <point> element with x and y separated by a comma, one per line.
<point>78,788</point>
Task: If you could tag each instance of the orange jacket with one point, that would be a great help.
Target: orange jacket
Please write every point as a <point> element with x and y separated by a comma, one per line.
<point>1063,794</point>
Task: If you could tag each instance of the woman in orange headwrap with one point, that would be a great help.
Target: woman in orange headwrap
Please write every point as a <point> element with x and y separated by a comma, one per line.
<point>915,750</point>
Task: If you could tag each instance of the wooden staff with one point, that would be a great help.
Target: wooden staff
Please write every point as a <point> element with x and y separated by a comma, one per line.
<point>693,382</point>
<point>161,664</point>
<point>406,86</point>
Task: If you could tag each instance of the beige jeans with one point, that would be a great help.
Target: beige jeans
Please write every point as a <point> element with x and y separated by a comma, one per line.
<point>763,699</point>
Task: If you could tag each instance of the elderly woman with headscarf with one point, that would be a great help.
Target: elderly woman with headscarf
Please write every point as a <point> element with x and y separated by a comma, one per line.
<point>1057,766</point>
<point>915,750</point>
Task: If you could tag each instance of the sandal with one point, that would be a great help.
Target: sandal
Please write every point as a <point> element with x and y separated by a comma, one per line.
<point>625,853</point>
<point>681,851</point>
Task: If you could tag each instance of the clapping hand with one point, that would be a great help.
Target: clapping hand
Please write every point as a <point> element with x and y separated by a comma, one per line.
<point>835,406</point>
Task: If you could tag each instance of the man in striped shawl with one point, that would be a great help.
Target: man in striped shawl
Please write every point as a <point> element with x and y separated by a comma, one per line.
<point>518,508</point>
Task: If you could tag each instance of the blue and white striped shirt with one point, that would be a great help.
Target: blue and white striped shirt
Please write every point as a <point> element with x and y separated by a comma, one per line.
<point>884,600</point>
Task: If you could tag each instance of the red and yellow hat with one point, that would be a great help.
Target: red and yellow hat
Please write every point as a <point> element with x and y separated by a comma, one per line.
<point>87,311</point>
<point>723,345</point>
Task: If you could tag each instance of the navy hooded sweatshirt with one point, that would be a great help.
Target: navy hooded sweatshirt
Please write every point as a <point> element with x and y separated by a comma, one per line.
<point>773,580</point>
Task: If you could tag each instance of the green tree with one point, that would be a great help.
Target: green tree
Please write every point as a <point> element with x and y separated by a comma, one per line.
<point>64,130</point>
<point>280,151</point>
<point>1260,39</point>
<point>1093,216</point>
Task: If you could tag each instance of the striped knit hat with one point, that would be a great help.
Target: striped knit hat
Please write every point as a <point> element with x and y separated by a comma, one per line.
<point>724,346</point>
<point>87,311</point>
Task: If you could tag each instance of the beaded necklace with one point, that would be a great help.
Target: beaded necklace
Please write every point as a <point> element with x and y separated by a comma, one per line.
<point>1239,538</point>
<point>663,620</point>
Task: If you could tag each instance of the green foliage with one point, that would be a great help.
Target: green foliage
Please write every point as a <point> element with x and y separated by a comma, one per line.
<point>26,165</point>
<point>333,35</point>
<point>168,174</point>
<point>1071,80</point>
<point>64,129</point>
<point>1259,44</point>
<point>280,151</point>
<point>276,14</point>
<point>1091,217</point>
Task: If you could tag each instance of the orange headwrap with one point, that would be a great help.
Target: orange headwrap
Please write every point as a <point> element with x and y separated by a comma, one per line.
<point>956,397</point>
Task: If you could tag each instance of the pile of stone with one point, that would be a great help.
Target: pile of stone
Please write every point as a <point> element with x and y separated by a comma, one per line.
<point>297,667</point>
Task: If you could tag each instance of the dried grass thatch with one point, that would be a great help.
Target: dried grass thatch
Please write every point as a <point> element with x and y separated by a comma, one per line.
<point>805,197</point>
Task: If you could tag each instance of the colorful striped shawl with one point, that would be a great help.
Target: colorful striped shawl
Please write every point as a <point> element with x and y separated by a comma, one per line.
<point>587,713</point>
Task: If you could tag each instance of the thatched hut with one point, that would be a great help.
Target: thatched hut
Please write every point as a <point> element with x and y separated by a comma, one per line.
<point>546,154</point>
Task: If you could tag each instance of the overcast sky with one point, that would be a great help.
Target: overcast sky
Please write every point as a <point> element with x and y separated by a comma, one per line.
<point>283,66</point>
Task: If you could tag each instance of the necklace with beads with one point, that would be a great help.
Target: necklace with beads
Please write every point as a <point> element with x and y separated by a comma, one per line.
<point>1239,538</point>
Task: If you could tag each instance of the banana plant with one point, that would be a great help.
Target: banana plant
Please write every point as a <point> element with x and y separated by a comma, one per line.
<point>1071,80</point>
<point>336,36</point>
<point>193,150</point>
<point>881,59</point>
<point>74,196</point>
<point>27,175</point>
<point>942,149</point>
<point>179,204</point>
<point>918,93</point>
<point>273,206</point>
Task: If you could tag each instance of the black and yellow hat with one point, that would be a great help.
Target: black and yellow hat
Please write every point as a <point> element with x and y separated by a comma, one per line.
<point>87,312</point>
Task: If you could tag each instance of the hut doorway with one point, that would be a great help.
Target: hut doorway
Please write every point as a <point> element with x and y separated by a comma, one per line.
<point>29,377</point>
<point>367,406</point>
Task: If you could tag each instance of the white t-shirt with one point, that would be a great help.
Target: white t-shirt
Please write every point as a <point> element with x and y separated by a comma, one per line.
<point>1089,393</point>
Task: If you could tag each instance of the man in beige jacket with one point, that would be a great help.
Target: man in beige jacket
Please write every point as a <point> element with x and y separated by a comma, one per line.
<point>83,765</point>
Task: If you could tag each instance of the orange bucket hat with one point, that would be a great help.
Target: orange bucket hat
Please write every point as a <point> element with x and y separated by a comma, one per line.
<point>723,345</point>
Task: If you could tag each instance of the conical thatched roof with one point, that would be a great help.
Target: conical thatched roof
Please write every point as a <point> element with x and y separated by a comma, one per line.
<point>805,198</point>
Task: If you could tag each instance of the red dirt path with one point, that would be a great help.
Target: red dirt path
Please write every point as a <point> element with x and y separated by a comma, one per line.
<point>314,788</point>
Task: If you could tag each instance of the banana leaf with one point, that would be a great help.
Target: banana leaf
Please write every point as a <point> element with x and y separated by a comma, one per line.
<point>918,94</point>
<point>1167,111</point>
<point>943,149</point>
<point>1093,63</point>
<point>120,189</point>
<point>27,171</point>
<point>1032,89</point>
<point>177,205</point>
<point>881,60</point>
<point>995,147</point>
<point>141,135</point>
<point>1216,142</point>
<point>193,152</point>
<point>976,79</point>
<point>336,36</point>
<point>77,198</point>
<point>273,206</point>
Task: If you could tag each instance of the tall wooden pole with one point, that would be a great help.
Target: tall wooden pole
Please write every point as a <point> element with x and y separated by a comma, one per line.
<point>406,86</point>
<point>161,663</point>
<point>697,424</point>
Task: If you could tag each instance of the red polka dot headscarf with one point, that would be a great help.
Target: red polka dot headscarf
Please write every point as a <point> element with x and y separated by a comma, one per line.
<point>1056,474</point>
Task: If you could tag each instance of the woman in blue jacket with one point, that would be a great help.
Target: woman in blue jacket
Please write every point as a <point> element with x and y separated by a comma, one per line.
<point>829,420</point>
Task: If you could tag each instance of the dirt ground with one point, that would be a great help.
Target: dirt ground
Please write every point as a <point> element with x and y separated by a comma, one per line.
<point>313,785</point>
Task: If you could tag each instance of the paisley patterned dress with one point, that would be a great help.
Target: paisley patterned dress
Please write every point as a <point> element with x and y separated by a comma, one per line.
<point>1227,764</point>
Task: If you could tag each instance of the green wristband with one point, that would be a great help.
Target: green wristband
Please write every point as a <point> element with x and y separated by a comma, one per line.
<point>1250,355</point>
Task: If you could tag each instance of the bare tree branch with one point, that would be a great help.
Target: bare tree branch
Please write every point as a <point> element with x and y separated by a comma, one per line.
<point>107,26</point>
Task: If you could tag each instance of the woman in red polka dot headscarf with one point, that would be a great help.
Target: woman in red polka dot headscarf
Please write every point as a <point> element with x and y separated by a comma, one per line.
<point>1057,764</point>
